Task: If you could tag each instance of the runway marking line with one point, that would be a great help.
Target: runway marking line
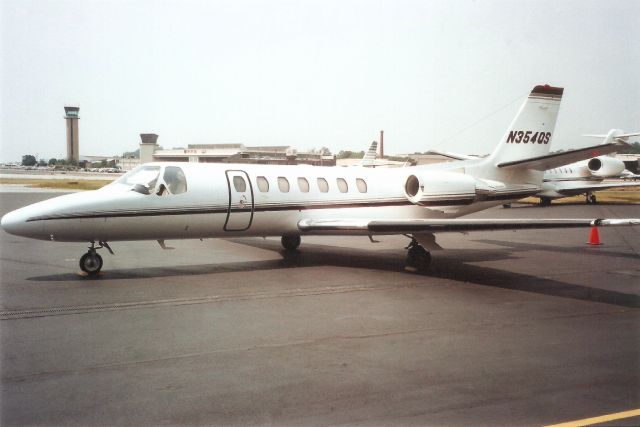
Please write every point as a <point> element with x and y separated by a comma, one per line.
<point>600,419</point>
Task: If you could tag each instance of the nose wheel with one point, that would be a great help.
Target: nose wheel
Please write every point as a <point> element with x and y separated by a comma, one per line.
<point>91,262</point>
<point>418,258</point>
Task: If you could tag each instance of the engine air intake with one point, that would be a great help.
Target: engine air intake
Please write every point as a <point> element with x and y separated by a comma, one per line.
<point>440,189</point>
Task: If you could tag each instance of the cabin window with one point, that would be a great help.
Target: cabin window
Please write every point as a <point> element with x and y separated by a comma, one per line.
<point>361,184</point>
<point>283,184</point>
<point>239,184</point>
<point>323,185</point>
<point>342,185</point>
<point>303,184</point>
<point>263,184</point>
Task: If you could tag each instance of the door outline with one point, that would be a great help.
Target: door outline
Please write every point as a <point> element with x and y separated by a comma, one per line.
<point>229,174</point>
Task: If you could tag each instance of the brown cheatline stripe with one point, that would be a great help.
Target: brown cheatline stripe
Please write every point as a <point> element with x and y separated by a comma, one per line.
<point>275,208</point>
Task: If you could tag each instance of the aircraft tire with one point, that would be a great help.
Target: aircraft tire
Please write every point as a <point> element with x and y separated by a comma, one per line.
<point>91,263</point>
<point>290,243</point>
<point>545,201</point>
<point>418,259</point>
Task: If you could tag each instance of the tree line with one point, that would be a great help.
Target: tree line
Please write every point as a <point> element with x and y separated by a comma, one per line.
<point>30,160</point>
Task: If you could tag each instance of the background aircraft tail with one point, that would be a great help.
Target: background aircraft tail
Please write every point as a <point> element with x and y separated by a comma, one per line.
<point>370,156</point>
<point>530,133</point>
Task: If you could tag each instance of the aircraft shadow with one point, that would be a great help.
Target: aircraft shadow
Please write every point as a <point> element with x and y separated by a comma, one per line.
<point>565,204</point>
<point>586,249</point>
<point>454,265</point>
<point>448,264</point>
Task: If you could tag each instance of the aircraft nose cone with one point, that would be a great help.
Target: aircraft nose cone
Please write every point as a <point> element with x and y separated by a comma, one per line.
<point>14,223</point>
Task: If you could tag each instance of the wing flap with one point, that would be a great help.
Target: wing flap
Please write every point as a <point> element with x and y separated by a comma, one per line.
<point>450,225</point>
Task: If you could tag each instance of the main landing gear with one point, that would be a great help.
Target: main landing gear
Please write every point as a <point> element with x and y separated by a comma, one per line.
<point>545,201</point>
<point>91,262</point>
<point>591,199</point>
<point>290,243</point>
<point>418,258</point>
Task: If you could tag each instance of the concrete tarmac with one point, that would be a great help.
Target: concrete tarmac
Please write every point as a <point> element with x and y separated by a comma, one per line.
<point>508,328</point>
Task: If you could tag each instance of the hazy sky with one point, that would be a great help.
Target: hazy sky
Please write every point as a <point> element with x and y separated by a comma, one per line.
<point>448,75</point>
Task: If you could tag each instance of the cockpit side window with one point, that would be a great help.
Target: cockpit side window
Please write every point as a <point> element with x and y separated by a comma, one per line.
<point>175,180</point>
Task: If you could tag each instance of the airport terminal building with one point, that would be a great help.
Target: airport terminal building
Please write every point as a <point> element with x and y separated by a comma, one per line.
<point>150,151</point>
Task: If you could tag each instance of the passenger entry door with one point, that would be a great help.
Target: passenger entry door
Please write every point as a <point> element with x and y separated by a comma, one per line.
<point>240,212</point>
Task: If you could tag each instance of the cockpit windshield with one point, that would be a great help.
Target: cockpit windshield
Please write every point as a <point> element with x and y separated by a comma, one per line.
<point>141,175</point>
<point>144,180</point>
<point>145,176</point>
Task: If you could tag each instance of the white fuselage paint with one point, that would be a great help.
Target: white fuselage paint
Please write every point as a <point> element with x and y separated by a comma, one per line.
<point>211,206</point>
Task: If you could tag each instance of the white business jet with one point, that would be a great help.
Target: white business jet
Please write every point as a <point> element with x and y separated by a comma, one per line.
<point>586,176</point>
<point>159,201</point>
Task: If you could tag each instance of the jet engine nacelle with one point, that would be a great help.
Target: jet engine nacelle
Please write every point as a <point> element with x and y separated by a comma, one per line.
<point>605,167</point>
<point>440,188</point>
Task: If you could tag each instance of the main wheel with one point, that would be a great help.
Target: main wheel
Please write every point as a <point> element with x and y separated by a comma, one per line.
<point>290,243</point>
<point>591,199</point>
<point>91,263</point>
<point>418,259</point>
<point>545,201</point>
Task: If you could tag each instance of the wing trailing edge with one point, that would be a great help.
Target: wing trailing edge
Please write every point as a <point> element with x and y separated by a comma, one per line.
<point>451,225</point>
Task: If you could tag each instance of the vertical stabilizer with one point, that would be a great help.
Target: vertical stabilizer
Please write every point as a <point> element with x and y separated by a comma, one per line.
<point>369,158</point>
<point>531,131</point>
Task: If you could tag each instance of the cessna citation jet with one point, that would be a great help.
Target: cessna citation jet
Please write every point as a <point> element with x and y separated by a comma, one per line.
<point>584,177</point>
<point>159,201</point>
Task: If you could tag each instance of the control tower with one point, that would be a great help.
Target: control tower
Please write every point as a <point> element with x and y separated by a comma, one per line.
<point>71,117</point>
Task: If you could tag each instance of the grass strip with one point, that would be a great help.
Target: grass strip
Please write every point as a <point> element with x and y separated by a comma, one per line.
<point>62,184</point>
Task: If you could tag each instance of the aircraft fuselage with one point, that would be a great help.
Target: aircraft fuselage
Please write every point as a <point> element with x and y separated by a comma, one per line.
<point>227,200</point>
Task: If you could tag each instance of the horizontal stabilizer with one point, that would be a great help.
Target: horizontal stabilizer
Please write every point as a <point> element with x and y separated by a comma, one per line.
<point>451,225</point>
<point>554,160</point>
<point>452,156</point>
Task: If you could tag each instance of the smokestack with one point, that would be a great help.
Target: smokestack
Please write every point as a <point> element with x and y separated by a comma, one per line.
<point>382,144</point>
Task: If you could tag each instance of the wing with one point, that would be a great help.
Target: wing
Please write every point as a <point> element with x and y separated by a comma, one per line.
<point>406,226</point>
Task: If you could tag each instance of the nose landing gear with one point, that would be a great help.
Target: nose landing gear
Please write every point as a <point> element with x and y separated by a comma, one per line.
<point>91,262</point>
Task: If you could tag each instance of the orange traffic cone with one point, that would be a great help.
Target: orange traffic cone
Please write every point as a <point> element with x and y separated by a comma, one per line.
<point>594,237</point>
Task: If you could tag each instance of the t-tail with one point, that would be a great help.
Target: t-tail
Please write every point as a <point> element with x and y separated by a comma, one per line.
<point>530,133</point>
